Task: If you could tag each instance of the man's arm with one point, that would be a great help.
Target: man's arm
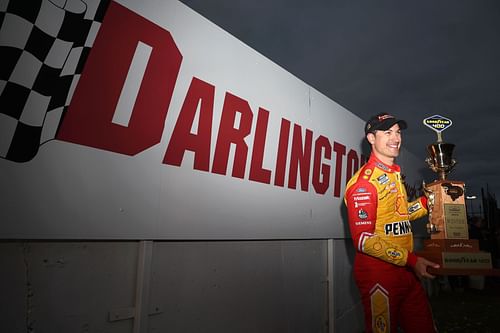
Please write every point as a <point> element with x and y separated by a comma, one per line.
<point>361,200</point>
<point>417,208</point>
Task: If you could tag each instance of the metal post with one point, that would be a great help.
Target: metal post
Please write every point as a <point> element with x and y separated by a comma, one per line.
<point>142,287</point>
<point>331,303</point>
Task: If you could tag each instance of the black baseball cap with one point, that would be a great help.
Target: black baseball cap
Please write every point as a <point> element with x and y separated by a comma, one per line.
<point>382,122</point>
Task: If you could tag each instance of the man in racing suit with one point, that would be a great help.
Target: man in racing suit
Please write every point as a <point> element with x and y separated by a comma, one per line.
<point>386,270</point>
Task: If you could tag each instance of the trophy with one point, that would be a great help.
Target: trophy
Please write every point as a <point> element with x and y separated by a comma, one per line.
<point>440,161</point>
<point>449,243</point>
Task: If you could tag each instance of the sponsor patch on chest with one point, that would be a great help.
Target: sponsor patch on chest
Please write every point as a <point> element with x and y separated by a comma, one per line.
<point>383,179</point>
<point>398,228</point>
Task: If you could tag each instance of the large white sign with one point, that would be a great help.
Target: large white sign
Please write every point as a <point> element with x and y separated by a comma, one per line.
<point>143,120</point>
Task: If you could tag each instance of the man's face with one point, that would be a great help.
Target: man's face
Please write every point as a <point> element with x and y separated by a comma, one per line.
<point>386,144</point>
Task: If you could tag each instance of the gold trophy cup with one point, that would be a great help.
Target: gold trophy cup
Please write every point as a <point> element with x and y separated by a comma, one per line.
<point>440,158</point>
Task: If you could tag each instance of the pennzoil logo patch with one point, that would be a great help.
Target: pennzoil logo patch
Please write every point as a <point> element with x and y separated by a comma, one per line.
<point>393,253</point>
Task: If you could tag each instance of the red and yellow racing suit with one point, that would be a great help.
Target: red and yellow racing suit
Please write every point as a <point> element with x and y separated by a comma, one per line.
<point>379,220</point>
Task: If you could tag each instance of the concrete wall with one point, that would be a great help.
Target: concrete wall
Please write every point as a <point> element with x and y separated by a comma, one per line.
<point>169,286</point>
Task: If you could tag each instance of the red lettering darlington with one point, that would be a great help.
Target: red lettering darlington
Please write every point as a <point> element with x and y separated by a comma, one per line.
<point>257,172</point>
<point>89,119</point>
<point>300,155</point>
<point>321,171</point>
<point>182,139</point>
<point>228,134</point>
<point>281,156</point>
<point>339,149</point>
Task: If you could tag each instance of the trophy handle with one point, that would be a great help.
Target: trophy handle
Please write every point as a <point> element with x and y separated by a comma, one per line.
<point>431,227</point>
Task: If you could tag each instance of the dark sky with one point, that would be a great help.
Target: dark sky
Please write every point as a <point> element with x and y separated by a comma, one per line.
<point>413,59</point>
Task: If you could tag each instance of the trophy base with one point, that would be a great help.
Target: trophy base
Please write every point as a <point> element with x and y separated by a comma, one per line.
<point>461,260</point>
<point>458,257</point>
<point>451,245</point>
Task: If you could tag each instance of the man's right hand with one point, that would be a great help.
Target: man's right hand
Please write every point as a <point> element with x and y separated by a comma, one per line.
<point>420,268</point>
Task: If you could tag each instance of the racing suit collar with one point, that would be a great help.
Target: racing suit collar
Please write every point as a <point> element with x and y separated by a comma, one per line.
<point>381,165</point>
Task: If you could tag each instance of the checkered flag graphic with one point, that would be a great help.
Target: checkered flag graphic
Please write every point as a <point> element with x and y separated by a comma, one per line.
<point>44,45</point>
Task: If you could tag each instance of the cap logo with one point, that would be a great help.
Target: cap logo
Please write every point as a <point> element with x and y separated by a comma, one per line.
<point>383,121</point>
<point>384,117</point>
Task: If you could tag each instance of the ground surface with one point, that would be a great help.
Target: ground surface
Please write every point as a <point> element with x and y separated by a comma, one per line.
<point>459,308</point>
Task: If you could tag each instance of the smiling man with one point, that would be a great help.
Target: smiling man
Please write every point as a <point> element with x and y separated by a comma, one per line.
<point>386,270</point>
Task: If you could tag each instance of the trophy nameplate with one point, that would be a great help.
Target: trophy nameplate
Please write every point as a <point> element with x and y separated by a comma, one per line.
<point>456,221</point>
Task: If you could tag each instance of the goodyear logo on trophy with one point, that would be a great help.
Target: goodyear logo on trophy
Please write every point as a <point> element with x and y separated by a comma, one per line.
<point>437,123</point>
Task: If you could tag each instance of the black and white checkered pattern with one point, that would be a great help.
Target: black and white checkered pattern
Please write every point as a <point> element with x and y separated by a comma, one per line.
<point>43,48</point>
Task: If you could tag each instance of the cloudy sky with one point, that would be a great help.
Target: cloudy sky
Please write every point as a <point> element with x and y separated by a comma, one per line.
<point>413,59</point>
